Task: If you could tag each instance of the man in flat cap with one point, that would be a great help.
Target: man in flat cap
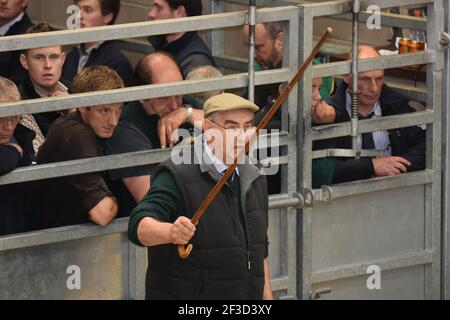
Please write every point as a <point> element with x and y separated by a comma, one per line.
<point>229,259</point>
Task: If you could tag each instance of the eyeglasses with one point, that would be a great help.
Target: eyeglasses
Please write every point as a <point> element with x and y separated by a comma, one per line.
<point>10,120</point>
<point>236,129</point>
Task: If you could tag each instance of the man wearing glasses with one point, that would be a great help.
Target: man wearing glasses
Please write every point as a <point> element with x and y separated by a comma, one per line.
<point>229,260</point>
<point>16,150</point>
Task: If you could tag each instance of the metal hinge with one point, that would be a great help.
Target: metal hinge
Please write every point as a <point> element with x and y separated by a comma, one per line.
<point>444,40</point>
<point>317,294</point>
<point>325,195</point>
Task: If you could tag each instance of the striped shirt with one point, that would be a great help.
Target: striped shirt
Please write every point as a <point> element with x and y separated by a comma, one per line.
<point>380,138</point>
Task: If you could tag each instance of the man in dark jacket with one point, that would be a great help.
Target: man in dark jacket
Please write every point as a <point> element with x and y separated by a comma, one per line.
<point>229,260</point>
<point>16,150</point>
<point>43,79</point>
<point>188,48</point>
<point>404,148</point>
<point>13,21</point>
<point>81,198</point>
<point>98,13</point>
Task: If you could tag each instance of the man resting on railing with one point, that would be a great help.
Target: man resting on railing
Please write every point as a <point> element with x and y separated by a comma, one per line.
<point>78,199</point>
<point>404,148</point>
<point>16,150</point>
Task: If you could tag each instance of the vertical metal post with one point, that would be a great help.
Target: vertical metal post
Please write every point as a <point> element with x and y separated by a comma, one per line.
<point>290,116</point>
<point>251,49</point>
<point>137,265</point>
<point>215,39</point>
<point>355,60</point>
<point>304,157</point>
<point>433,190</point>
<point>446,165</point>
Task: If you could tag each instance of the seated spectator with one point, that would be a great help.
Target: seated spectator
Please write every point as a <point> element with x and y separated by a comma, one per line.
<point>202,73</point>
<point>158,118</point>
<point>404,148</point>
<point>43,79</point>
<point>188,48</point>
<point>16,150</point>
<point>86,197</point>
<point>98,13</point>
<point>14,20</point>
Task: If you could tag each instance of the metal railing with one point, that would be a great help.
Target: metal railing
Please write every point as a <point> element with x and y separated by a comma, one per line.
<point>135,262</point>
<point>297,276</point>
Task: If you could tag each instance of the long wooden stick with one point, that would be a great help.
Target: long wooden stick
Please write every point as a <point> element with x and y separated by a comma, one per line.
<point>185,252</point>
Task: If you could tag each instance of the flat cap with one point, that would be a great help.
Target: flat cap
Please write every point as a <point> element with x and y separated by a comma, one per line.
<point>226,102</point>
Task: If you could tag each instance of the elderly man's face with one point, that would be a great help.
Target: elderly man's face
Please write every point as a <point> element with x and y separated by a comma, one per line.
<point>163,71</point>
<point>7,125</point>
<point>44,65</point>
<point>102,119</point>
<point>10,9</point>
<point>228,132</point>
<point>370,84</point>
<point>268,51</point>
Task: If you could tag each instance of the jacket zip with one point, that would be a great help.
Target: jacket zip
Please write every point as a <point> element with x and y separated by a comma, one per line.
<point>244,229</point>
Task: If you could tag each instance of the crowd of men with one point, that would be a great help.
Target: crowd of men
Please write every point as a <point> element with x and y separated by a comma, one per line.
<point>149,124</point>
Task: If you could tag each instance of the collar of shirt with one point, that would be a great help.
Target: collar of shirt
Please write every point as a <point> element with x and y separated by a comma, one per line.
<point>87,52</point>
<point>43,93</point>
<point>5,28</point>
<point>216,162</point>
<point>376,109</point>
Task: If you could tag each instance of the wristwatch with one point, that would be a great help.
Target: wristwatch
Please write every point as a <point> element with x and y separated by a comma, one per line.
<point>190,113</point>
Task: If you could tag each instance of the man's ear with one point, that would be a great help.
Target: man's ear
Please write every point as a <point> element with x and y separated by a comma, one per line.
<point>206,125</point>
<point>24,4</point>
<point>180,12</point>
<point>108,18</point>
<point>24,61</point>
<point>63,57</point>
<point>279,41</point>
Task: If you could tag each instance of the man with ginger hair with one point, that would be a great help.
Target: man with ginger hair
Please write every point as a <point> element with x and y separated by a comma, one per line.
<point>86,197</point>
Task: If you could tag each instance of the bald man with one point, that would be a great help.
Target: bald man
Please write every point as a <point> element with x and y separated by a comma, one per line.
<point>158,118</point>
<point>404,148</point>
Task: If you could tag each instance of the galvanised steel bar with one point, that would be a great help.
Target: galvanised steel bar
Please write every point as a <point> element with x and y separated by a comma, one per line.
<point>377,184</point>
<point>383,62</point>
<point>370,125</point>
<point>141,29</point>
<point>251,49</point>
<point>360,268</point>
<point>355,60</point>
<point>139,93</point>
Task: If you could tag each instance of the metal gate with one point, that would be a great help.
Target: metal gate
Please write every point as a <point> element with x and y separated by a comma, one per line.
<point>327,245</point>
<point>385,227</point>
<point>39,265</point>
